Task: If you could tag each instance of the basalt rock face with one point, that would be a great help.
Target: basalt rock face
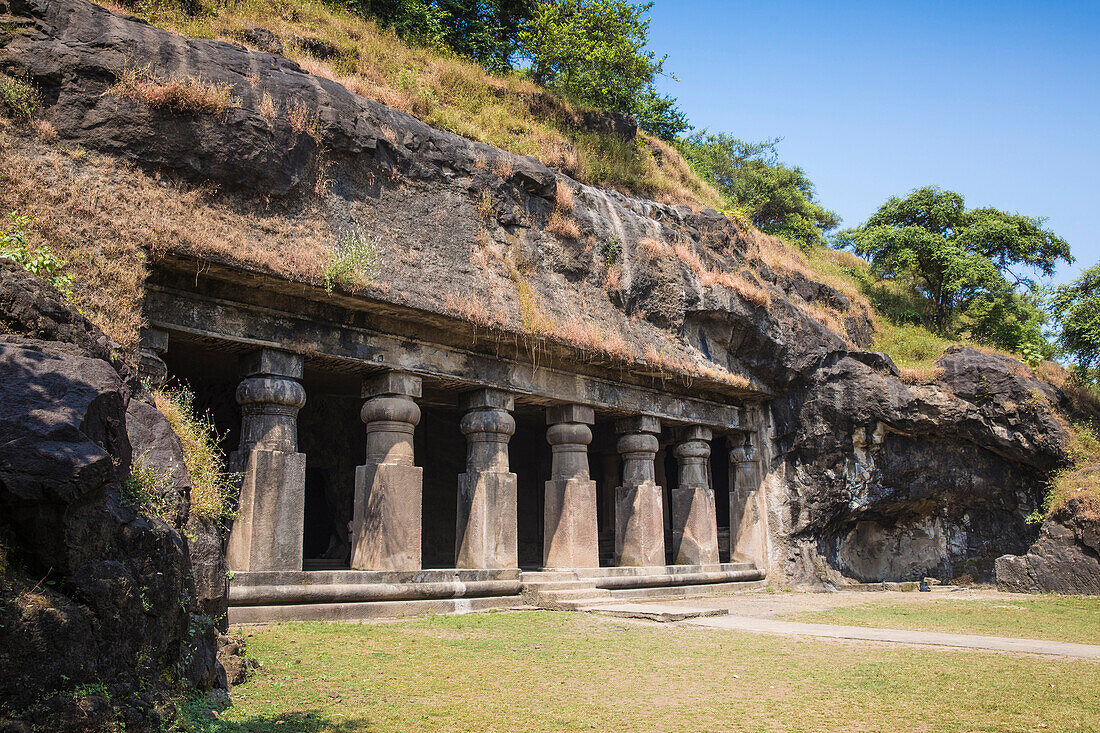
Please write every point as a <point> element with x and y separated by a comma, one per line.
<point>96,596</point>
<point>1065,558</point>
<point>890,481</point>
<point>869,478</point>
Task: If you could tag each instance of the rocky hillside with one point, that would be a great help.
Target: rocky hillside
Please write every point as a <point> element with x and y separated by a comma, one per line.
<point>100,623</point>
<point>147,143</point>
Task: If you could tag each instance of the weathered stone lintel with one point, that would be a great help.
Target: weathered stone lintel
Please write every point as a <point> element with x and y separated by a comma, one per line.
<point>187,313</point>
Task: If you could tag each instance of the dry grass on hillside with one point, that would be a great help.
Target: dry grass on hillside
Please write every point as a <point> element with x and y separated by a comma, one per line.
<point>176,93</point>
<point>509,112</point>
<point>106,217</point>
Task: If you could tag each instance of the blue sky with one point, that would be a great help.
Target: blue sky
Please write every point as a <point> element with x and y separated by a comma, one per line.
<point>998,101</point>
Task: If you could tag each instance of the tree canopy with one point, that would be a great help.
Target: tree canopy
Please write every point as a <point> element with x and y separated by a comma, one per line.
<point>962,260</point>
<point>777,198</point>
<point>485,31</point>
<point>595,52</point>
<point>1076,309</point>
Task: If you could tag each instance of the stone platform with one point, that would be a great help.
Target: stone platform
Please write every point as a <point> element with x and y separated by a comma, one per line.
<point>345,595</point>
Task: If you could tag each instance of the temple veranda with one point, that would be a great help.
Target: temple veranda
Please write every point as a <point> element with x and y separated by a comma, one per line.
<point>392,464</point>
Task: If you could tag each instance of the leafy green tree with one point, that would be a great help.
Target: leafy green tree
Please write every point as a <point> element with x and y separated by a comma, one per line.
<point>485,31</point>
<point>594,51</point>
<point>1076,310</point>
<point>777,198</point>
<point>960,259</point>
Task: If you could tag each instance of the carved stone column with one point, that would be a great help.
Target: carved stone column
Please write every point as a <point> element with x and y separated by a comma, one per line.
<point>487,493</point>
<point>570,538</point>
<point>694,519</point>
<point>639,514</point>
<point>267,533</point>
<point>151,367</point>
<point>748,530</point>
<point>387,518</point>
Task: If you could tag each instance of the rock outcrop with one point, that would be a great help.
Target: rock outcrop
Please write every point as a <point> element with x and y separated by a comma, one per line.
<point>97,607</point>
<point>870,478</point>
<point>1065,558</point>
<point>890,481</point>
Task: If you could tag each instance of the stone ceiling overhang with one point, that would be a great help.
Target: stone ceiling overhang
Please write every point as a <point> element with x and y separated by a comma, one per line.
<point>229,308</point>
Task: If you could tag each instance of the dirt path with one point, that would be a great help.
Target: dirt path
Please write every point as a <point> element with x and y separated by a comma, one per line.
<point>969,641</point>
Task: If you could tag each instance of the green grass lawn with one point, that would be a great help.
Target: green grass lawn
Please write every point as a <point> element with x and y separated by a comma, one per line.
<point>567,671</point>
<point>1055,618</point>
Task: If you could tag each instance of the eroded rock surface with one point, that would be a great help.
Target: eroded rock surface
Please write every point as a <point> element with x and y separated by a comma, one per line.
<point>97,597</point>
<point>1065,558</point>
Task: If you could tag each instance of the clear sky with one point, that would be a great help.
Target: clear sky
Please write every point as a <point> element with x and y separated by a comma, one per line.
<point>999,101</point>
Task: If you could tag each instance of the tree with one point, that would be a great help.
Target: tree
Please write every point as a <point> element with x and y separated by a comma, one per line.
<point>777,198</point>
<point>594,52</point>
<point>486,31</point>
<point>1076,310</point>
<point>958,259</point>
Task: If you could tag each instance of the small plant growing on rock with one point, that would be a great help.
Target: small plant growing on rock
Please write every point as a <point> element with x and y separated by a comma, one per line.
<point>563,226</point>
<point>353,259</point>
<point>267,108</point>
<point>213,488</point>
<point>18,97</point>
<point>611,249</point>
<point>485,205</point>
<point>38,260</point>
<point>149,491</point>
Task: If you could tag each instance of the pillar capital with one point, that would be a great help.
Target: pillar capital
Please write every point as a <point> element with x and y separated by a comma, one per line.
<point>272,363</point>
<point>571,413</point>
<point>694,432</point>
<point>743,448</point>
<point>392,383</point>
<point>152,346</point>
<point>638,424</point>
<point>487,399</point>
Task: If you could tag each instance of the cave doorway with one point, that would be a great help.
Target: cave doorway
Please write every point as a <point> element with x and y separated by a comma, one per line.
<point>529,458</point>
<point>719,467</point>
<point>440,450</point>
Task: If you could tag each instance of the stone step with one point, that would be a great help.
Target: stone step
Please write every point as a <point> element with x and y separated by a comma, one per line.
<point>545,585</point>
<point>575,594</point>
<point>651,611</point>
<point>679,592</point>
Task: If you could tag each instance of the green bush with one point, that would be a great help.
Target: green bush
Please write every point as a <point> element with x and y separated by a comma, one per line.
<point>38,260</point>
<point>19,97</point>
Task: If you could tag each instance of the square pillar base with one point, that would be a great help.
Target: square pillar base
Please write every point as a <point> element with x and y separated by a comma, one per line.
<point>569,535</point>
<point>267,533</point>
<point>694,527</point>
<point>639,526</point>
<point>748,532</point>
<point>386,525</point>
<point>487,527</point>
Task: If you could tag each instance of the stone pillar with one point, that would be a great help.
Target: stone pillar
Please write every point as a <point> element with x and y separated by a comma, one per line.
<point>151,367</point>
<point>569,537</point>
<point>487,536</point>
<point>748,529</point>
<point>639,512</point>
<point>694,519</point>
<point>267,533</point>
<point>386,522</point>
